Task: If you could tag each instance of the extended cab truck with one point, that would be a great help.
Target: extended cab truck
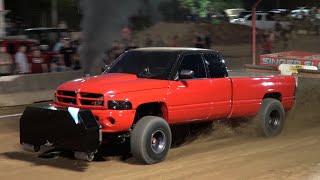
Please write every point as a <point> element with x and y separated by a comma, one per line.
<point>147,90</point>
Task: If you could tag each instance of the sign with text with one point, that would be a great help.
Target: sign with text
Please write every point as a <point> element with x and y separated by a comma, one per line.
<point>291,57</point>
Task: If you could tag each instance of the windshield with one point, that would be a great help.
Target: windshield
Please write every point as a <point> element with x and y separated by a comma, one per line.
<point>145,64</point>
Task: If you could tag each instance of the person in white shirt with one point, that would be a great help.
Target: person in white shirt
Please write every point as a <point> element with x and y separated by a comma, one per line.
<point>22,61</point>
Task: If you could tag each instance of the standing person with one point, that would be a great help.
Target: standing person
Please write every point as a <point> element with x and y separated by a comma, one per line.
<point>38,62</point>
<point>66,54</point>
<point>116,50</point>
<point>278,29</point>
<point>58,45</point>
<point>266,43</point>
<point>21,60</point>
<point>198,40</point>
<point>174,41</point>
<point>148,41</point>
<point>112,53</point>
<point>131,45</point>
<point>5,62</point>
<point>208,40</point>
<point>159,41</point>
<point>285,36</point>
<point>126,36</point>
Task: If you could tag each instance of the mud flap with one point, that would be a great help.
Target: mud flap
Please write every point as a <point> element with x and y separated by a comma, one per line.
<point>66,128</point>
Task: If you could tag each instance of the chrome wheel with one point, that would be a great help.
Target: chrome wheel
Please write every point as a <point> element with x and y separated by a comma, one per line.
<point>158,141</point>
<point>274,119</point>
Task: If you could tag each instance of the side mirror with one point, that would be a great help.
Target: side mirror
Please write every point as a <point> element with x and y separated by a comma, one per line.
<point>186,74</point>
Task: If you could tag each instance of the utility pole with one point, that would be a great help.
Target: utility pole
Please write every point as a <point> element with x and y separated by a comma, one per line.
<point>54,13</point>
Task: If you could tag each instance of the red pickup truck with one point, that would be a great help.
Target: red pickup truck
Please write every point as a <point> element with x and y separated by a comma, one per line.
<point>147,90</point>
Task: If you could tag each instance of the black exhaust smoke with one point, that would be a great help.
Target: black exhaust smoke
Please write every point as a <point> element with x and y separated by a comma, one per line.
<point>101,24</point>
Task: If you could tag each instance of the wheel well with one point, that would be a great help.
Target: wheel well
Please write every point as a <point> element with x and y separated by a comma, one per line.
<point>151,109</point>
<point>274,95</point>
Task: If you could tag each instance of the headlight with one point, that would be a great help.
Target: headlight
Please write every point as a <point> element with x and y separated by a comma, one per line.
<point>119,105</point>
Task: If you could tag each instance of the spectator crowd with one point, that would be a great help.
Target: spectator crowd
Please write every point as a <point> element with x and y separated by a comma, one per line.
<point>28,58</point>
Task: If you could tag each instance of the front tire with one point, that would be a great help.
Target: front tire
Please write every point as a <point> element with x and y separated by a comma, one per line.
<point>270,119</point>
<point>150,140</point>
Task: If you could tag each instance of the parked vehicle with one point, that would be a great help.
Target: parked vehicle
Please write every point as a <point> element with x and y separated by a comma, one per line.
<point>263,21</point>
<point>282,12</point>
<point>242,15</point>
<point>146,91</point>
<point>299,13</point>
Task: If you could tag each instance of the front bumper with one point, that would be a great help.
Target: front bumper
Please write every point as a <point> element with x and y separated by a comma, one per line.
<point>114,121</point>
<point>66,128</point>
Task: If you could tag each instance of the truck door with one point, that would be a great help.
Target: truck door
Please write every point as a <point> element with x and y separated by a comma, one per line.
<point>189,98</point>
<point>221,89</point>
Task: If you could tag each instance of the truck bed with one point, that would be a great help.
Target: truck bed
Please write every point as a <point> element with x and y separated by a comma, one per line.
<point>242,73</point>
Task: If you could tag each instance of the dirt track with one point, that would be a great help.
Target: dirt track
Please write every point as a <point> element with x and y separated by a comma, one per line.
<point>224,153</point>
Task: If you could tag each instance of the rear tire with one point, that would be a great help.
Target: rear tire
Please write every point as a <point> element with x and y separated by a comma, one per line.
<point>270,119</point>
<point>150,140</point>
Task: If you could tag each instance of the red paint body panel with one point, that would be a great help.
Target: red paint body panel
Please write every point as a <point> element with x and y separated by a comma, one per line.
<point>189,98</point>
<point>183,101</point>
<point>249,92</point>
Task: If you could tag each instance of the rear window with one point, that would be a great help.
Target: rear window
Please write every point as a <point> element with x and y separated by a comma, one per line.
<point>216,66</point>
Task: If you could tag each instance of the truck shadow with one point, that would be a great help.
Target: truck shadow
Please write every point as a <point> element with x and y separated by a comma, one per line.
<point>181,135</point>
<point>60,163</point>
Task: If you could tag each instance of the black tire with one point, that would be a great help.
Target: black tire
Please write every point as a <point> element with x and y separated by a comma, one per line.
<point>270,119</point>
<point>150,140</point>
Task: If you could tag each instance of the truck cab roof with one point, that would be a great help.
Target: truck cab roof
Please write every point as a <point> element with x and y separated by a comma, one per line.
<point>174,49</point>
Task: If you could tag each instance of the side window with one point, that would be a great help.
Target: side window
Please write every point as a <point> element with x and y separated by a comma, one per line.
<point>249,18</point>
<point>195,63</point>
<point>269,18</point>
<point>259,17</point>
<point>217,68</point>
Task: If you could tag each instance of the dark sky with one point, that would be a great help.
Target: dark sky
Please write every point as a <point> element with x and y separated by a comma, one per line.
<point>291,4</point>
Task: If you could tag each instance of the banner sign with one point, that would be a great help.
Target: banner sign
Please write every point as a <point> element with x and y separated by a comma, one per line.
<point>291,57</point>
